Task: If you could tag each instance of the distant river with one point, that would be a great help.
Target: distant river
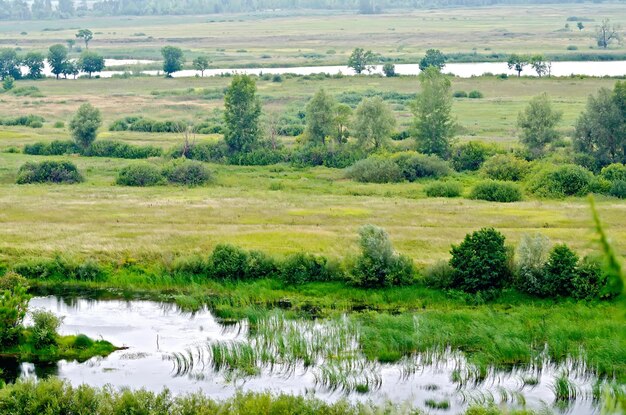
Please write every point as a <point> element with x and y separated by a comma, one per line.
<point>463,70</point>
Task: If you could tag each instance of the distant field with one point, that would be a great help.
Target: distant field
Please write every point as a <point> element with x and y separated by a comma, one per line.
<point>312,38</point>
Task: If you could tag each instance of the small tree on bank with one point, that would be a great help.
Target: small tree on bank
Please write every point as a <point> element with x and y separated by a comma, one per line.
<point>517,62</point>
<point>173,59</point>
<point>90,62</point>
<point>57,59</point>
<point>84,126</point>
<point>361,60</point>
<point>433,57</point>
<point>241,115</point>
<point>201,63</point>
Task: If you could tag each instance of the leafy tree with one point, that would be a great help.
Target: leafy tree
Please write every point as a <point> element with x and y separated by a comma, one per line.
<point>559,272</point>
<point>518,63</point>
<point>607,33</point>
<point>433,57</point>
<point>9,64</point>
<point>8,83</point>
<point>538,123</point>
<point>84,126</point>
<point>66,7</point>
<point>600,129</point>
<point>173,59</point>
<point>241,115</point>
<point>361,60</point>
<point>70,44</point>
<point>13,307</point>
<point>34,62</point>
<point>540,65</point>
<point>480,262</point>
<point>201,63</point>
<point>91,62</point>
<point>57,59</point>
<point>320,117</point>
<point>374,123</point>
<point>433,124</point>
<point>341,120</point>
<point>71,68</point>
<point>86,35</point>
<point>580,25</point>
<point>389,69</point>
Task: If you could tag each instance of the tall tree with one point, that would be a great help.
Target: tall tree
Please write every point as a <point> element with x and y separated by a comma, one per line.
<point>374,122</point>
<point>70,68</point>
<point>35,63</point>
<point>361,60</point>
<point>9,64</point>
<point>90,62</point>
<point>341,120</point>
<point>241,115</point>
<point>540,65</point>
<point>84,126</point>
<point>57,59</point>
<point>173,59</point>
<point>433,57</point>
<point>607,33</point>
<point>66,7</point>
<point>201,63</point>
<point>517,62</point>
<point>320,117</point>
<point>433,125</point>
<point>538,123</point>
<point>86,35</point>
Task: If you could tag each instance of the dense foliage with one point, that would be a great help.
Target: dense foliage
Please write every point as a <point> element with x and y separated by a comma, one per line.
<point>49,172</point>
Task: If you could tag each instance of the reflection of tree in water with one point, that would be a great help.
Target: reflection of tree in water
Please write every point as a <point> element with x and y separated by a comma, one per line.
<point>13,369</point>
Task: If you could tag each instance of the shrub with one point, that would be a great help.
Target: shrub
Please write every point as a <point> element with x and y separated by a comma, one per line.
<point>13,306</point>
<point>339,156</point>
<point>505,167</point>
<point>469,156</point>
<point>614,172</point>
<point>8,83</point>
<point>495,191</point>
<point>24,120</point>
<point>530,258</point>
<point>480,262</point>
<point>439,275</point>
<point>389,69</point>
<point>82,342</point>
<point>375,169</point>
<point>45,326</point>
<point>88,270</point>
<point>261,265</point>
<point>141,175</point>
<point>49,172</point>
<point>11,280</point>
<point>186,172</point>
<point>618,189</point>
<point>589,279</point>
<point>117,149</point>
<point>228,262</point>
<point>475,94</point>
<point>444,189</point>
<point>258,157</point>
<point>301,268</point>
<point>59,124</point>
<point>54,148</point>
<point>559,272</point>
<point>191,265</point>
<point>60,268</point>
<point>214,152</point>
<point>414,165</point>
<point>459,94</point>
<point>560,181</point>
<point>379,265</point>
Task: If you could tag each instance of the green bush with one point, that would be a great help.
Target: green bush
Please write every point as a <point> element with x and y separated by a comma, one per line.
<point>439,275</point>
<point>141,175</point>
<point>480,262</point>
<point>505,167</point>
<point>59,268</point>
<point>379,265</point>
<point>614,172</point>
<point>228,262</point>
<point>459,94</point>
<point>339,156</point>
<point>210,152</point>
<point>83,342</point>
<point>34,121</point>
<point>53,148</point>
<point>495,191</point>
<point>589,279</point>
<point>301,268</point>
<point>415,165</point>
<point>475,94</point>
<point>530,259</point>
<point>559,272</point>
<point>117,149</point>
<point>375,169</point>
<point>13,306</point>
<point>49,172</point>
<point>45,327</point>
<point>470,156</point>
<point>444,189</point>
<point>262,156</point>
<point>187,172</point>
<point>618,189</point>
<point>560,181</point>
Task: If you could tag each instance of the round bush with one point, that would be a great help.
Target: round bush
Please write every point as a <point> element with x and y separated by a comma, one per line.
<point>618,189</point>
<point>415,165</point>
<point>560,181</point>
<point>49,172</point>
<point>301,268</point>
<point>469,156</point>
<point>375,170</point>
<point>505,167</point>
<point>614,172</point>
<point>495,191</point>
<point>139,175</point>
<point>460,94</point>
<point>187,172</point>
<point>444,189</point>
<point>475,94</point>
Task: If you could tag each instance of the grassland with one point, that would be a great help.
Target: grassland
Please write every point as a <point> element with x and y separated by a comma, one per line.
<point>312,38</point>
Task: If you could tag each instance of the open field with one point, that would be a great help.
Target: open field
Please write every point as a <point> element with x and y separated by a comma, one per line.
<point>313,38</point>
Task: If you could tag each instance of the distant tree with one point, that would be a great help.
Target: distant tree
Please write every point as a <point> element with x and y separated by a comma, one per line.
<point>433,57</point>
<point>70,69</point>
<point>320,117</point>
<point>57,59</point>
<point>9,64</point>
<point>90,62</point>
<point>86,35</point>
<point>241,115</point>
<point>601,129</point>
<point>367,7</point>
<point>201,63</point>
<point>341,120</point>
<point>580,25</point>
<point>8,83</point>
<point>70,44</point>
<point>433,126</point>
<point>389,69</point>
<point>518,63</point>
<point>66,7</point>
<point>607,33</point>
<point>84,126</point>
<point>374,122</point>
<point>173,59</point>
<point>35,63</point>
<point>538,123</point>
<point>361,60</point>
<point>540,65</point>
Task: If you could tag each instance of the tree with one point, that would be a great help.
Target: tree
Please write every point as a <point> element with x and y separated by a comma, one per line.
<point>86,35</point>
<point>34,62</point>
<point>173,59</point>
<point>57,59</point>
<point>13,307</point>
<point>66,7</point>
<point>361,60</point>
<point>600,129</point>
<point>607,33</point>
<point>540,65</point>
<point>389,69</point>
<point>90,62</point>
<point>70,68</point>
<point>9,64</point>
<point>367,7</point>
<point>341,120</point>
<point>84,126</point>
<point>201,63</point>
<point>580,25</point>
<point>374,123</point>
<point>433,57</point>
<point>433,124</point>
<point>320,117</point>
<point>8,83</point>
<point>70,44</point>
<point>538,123</point>
<point>241,115</point>
<point>517,62</point>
